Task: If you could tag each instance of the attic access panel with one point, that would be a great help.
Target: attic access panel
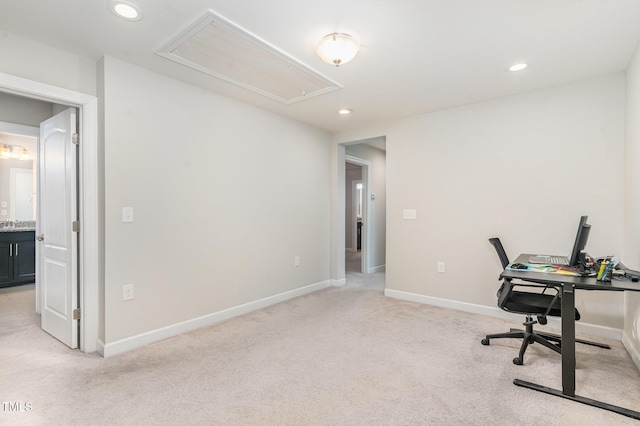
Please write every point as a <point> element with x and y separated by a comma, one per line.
<point>215,46</point>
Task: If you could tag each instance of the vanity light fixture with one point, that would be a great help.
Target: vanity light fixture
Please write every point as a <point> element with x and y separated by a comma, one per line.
<point>518,66</point>
<point>24,154</point>
<point>125,10</point>
<point>337,48</point>
<point>10,151</point>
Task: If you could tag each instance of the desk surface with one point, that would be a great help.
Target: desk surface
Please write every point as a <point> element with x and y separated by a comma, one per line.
<point>587,283</point>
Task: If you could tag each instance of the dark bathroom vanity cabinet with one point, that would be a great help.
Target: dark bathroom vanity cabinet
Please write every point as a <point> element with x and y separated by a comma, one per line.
<point>17,257</point>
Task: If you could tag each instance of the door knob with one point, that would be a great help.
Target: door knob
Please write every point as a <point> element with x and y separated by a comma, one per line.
<point>40,237</point>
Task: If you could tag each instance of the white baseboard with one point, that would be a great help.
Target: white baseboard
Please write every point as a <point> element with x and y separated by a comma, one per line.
<point>133,342</point>
<point>375,269</point>
<point>100,347</point>
<point>628,343</point>
<point>554,323</point>
<point>338,283</point>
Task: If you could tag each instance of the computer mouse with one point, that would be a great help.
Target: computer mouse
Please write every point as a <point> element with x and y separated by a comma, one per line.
<point>519,266</point>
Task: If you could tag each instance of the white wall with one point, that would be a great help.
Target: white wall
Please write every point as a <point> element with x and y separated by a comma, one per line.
<point>225,195</point>
<point>632,205</point>
<point>36,61</point>
<point>473,173</point>
<point>18,110</point>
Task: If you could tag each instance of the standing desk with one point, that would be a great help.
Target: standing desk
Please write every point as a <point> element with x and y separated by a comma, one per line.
<point>567,284</point>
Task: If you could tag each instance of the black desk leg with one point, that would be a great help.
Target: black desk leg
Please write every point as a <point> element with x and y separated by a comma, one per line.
<point>569,361</point>
<point>568,340</point>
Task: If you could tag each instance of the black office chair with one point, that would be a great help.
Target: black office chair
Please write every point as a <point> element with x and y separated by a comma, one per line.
<point>545,302</point>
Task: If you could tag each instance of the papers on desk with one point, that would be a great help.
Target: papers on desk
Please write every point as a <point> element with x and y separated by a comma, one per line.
<point>549,269</point>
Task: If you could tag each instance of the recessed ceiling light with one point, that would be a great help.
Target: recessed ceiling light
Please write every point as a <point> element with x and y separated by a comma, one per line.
<point>518,66</point>
<point>345,111</point>
<point>125,10</point>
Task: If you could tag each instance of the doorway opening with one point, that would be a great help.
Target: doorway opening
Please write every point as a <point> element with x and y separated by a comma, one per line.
<point>88,195</point>
<point>42,200</point>
<point>364,211</point>
<point>355,213</point>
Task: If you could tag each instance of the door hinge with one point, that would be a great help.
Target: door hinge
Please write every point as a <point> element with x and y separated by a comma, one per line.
<point>75,226</point>
<point>75,139</point>
<point>76,314</point>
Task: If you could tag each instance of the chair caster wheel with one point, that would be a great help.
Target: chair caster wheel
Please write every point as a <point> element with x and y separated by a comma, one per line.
<point>485,342</point>
<point>517,361</point>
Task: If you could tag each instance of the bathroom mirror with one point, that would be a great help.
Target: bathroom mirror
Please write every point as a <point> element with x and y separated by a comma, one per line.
<point>22,195</point>
<point>17,179</point>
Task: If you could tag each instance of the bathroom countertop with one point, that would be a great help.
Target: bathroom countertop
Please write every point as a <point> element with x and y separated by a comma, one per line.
<point>21,229</point>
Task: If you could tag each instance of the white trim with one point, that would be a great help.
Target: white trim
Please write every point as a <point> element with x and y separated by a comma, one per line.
<point>339,283</point>
<point>89,260</point>
<point>100,347</point>
<point>144,339</point>
<point>354,206</point>
<point>554,323</point>
<point>375,269</point>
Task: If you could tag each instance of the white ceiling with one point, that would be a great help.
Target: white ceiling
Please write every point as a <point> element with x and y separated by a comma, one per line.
<point>416,55</point>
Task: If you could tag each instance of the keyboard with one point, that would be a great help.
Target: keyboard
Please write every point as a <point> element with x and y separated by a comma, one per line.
<point>551,260</point>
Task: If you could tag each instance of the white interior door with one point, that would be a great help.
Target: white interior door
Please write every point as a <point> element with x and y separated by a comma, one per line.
<point>58,254</point>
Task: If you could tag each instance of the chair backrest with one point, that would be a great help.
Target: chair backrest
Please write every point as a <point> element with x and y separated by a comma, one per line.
<point>495,242</point>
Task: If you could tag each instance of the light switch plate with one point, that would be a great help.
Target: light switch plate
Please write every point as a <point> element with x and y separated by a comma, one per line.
<point>127,214</point>
<point>3,204</point>
<point>3,212</point>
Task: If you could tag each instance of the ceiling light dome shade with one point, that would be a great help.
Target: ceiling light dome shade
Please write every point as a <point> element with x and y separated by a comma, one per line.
<point>337,48</point>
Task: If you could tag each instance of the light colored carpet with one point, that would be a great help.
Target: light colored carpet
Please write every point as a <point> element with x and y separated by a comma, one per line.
<point>340,356</point>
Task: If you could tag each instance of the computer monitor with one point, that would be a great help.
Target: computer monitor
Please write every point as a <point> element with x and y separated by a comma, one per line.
<point>581,241</point>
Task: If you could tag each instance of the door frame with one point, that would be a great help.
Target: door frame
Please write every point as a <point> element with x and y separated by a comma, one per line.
<point>88,194</point>
<point>366,228</point>
<point>354,218</point>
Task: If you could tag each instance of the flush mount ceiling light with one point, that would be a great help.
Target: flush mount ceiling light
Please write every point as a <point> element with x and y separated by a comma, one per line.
<point>337,48</point>
<point>220,48</point>
<point>345,111</point>
<point>125,10</point>
<point>518,66</point>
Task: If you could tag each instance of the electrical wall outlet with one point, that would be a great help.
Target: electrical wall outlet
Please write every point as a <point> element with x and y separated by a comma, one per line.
<point>409,214</point>
<point>296,261</point>
<point>127,292</point>
<point>440,266</point>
